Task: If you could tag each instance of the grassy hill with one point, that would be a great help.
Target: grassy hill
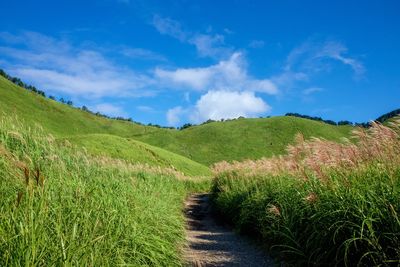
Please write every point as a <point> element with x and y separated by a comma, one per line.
<point>209,143</point>
<point>98,135</point>
<point>136,151</point>
<point>240,139</point>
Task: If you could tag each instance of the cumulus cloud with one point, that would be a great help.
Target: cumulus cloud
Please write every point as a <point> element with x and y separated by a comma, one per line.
<point>228,74</point>
<point>219,104</point>
<point>223,104</point>
<point>193,78</point>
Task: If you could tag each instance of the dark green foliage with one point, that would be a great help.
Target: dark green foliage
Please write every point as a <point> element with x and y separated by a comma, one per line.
<point>388,115</point>
<point>185,126</point>
<point>310,118</point>
<point>345,123</point>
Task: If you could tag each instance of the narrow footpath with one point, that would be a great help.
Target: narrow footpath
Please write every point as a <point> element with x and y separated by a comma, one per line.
<point>210,244</point>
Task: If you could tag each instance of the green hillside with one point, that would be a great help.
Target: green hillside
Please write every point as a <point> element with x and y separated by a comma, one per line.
<point>241,139</point>
<point>98,135</point>
<point>136,151</point>
<point>209,143</point>
<point>59,119</point>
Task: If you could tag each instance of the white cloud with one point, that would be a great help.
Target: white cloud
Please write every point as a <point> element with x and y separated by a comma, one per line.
<point>94,85</point>
<point>174,116</point>
<point>146,109</point>
<point>336,51</point>
<point>228,74</point>
<point>210,45</point>
<point>169,27</point>
<point>207,45</point>
<point>56,66</point>
<point>315,56</point>
<point>219,104</point>
<point>109,109</point>
<point>312,90</point>
<point>195,78</point>
<point>222,104</point>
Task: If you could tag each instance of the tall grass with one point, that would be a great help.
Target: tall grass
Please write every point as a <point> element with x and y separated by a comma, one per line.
<point>60,206</point>
<point>323,203</point>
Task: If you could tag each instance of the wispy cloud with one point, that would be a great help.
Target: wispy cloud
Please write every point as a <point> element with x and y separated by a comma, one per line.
<point>314,56</point>
<point>309,60</point>
<point>210,45</point>
<point>336,50</point>
<point>170,27</point>
<point>207,44</point>
<point>230,75</point>
<point>145,109</point>
<point>312,90</point>
<point>57,66</point>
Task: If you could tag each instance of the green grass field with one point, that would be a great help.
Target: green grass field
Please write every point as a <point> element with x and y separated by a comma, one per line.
<point>136,151</point>
<point>78,189</point>
<point>98,135</point>
<point>60,206</point>
<point>240,139</point>
<point>325,204</point>
<point>206,144</point>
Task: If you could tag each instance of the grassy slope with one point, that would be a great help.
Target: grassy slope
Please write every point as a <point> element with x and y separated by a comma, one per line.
<point>136,151</point>
<point>61,120</point>
<point>62,207</point>
<point>241,139</point>
<point>98,135</point>
<point>345,213</point>
<point>206,144</point>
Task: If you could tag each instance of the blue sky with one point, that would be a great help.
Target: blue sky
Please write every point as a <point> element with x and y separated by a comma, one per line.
<point>172,62</point>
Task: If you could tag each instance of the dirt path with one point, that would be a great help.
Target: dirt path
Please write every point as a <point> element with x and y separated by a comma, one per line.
<point>210,244</point>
